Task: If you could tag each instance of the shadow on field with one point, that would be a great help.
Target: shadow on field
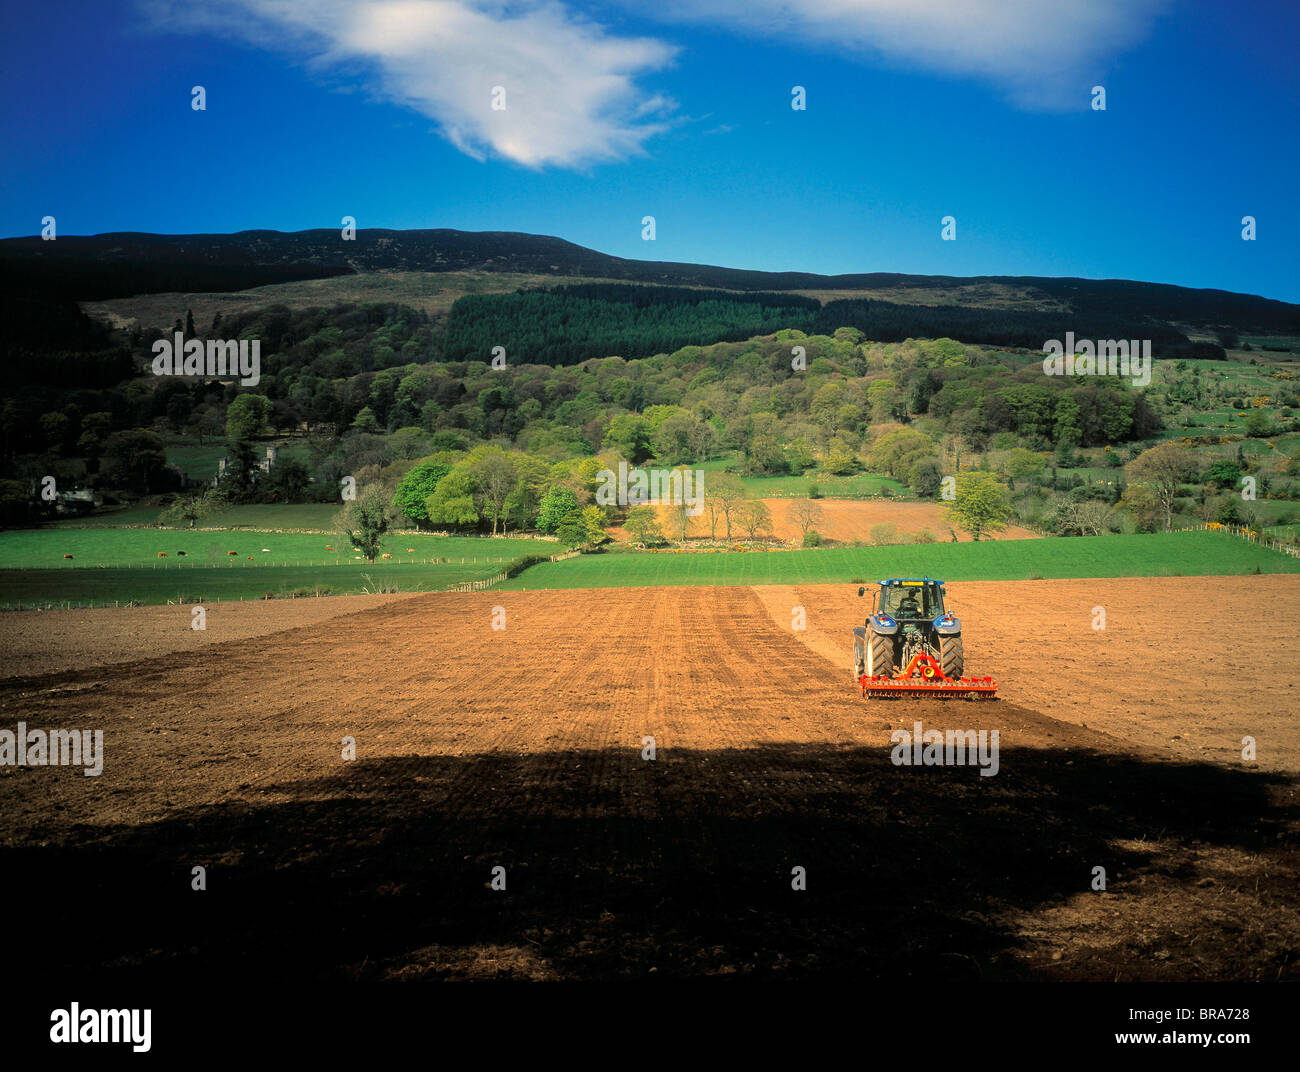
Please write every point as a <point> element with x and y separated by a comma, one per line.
<point>615,866</point>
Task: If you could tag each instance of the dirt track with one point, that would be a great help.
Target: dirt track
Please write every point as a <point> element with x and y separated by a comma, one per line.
<point>522,747</point>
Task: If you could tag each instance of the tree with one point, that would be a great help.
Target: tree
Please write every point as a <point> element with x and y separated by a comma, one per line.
<point>725,491</point>
<point>805,513</point>
<point>681,506</point>
<point>558,505</point>
<point>980,505</point>
<point>884,534</point>
<point>572,532</point>
<point>1144,504</point>
<point>926,477</point>
<point>1022,462</point>
<point>247,416</point>
<point>896,451</point>
<point>452,502</point>
<point>676,438</point>
<point>288,480</point>
<point>630,435</point>
<point>495,475</point>
<point>841,458</point>
<point>1163,469</point>
<point>714,507</point>
<point>1227,512</point>
<point>413,490</point>
<point>532,481</point>
<point>754,517</point>
<point>643,526</point>
<point>365,520</point>
<point>1259,424</point>
<point>242,471</point>
<point>54,430</point>
<point>409,442</point>
<point>366,421</point>
<point>95,430</point>
<point>1085,517</point>
<point>208,423</point>
<point>1224,474</point>
<point>135,461</point>
<point>192,507</point>
<point>763,453</point>
<point>593,524</point>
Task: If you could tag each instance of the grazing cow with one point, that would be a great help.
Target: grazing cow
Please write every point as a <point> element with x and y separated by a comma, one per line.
<point>67,556</point>
<point>162,554</point>
<point>232,552</point>
<point>180,554</point>
<point>328,548</point>
<point>410,550</point>
<point>385,556</point>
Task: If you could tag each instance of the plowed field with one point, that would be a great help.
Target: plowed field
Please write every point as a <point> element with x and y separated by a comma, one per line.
<point>522,748</point>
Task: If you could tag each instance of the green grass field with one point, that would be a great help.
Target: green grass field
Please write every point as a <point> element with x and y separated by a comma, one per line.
<point>105,547</point>
<point>1159,555</point>
<point>32,570</point>
<point>312,517</point>
<point>38,587</point>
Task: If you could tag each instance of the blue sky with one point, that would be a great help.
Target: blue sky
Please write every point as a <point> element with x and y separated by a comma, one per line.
<point>916,109</point>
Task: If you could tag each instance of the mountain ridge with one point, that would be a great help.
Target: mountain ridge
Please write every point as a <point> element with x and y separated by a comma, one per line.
<point>126,263</point>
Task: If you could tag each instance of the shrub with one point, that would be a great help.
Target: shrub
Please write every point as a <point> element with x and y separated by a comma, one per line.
<point>513,569</point>
<point>814,492</point>
<point>812,538</point>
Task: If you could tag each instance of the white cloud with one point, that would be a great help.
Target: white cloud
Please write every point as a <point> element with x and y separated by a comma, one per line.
<point>1041,53</point>
<point>570,92</point>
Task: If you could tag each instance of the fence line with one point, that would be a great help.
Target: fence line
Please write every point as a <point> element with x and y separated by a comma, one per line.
<point>1249,535</point>
<point>487,582</point>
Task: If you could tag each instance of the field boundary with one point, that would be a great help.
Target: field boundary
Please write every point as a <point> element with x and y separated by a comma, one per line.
<point>1249,535</point>
<point>513,570</point>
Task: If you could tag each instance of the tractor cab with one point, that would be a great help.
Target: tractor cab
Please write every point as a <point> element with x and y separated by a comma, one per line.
<point>910,600</point>
<point>907,602</point>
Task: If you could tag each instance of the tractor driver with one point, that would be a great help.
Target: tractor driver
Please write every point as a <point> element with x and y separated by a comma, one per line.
<point>908,606</point>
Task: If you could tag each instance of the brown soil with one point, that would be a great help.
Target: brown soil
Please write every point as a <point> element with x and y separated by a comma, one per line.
<point>844,521</point>
<point>522,748</point>
<point>46,642</point>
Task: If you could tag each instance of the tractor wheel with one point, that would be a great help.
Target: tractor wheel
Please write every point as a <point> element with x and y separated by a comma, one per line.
<point>950,656</point>
<point>883,652</point>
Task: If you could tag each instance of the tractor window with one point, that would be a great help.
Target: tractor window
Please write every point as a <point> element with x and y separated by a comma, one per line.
<point>912,602</point>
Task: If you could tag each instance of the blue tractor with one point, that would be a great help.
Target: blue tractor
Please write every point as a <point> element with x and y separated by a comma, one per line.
<point>912,643</point>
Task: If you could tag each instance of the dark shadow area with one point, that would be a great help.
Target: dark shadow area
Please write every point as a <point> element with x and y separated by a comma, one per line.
<point>615,866</point>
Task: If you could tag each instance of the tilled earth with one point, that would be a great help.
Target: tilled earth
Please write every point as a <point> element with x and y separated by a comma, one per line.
<point>524,748</point>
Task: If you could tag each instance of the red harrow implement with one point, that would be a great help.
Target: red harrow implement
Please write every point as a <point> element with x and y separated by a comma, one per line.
<point>924,676</point>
